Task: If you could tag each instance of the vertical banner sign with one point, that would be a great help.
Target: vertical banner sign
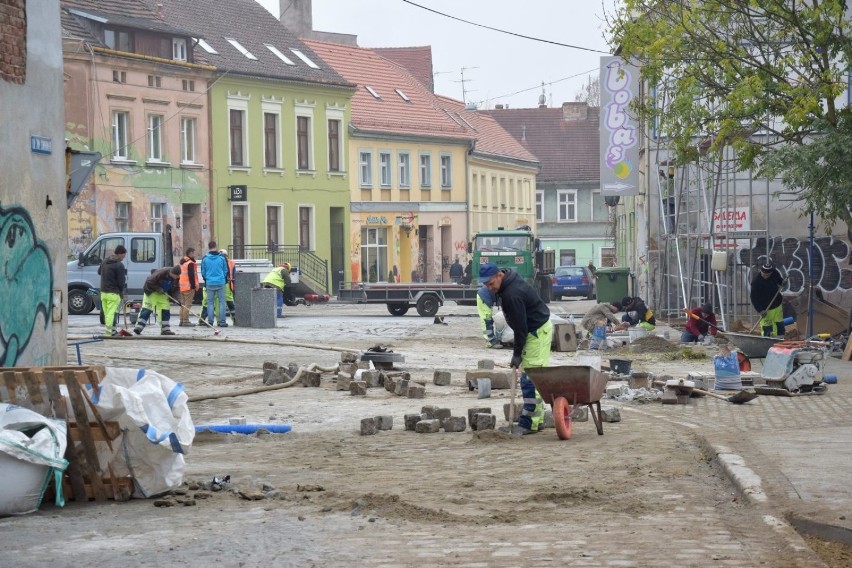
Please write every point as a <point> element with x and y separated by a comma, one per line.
<point>619,131</point>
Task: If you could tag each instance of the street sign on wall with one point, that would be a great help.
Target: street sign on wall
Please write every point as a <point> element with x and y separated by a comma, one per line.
<point>619,130</point>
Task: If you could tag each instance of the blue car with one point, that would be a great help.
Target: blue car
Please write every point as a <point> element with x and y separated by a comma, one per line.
<point>573,281</point>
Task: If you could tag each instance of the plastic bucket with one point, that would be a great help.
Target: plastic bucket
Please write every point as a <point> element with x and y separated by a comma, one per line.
<point>636,333</point>
<point>620,366</point>
<point>484,386</point>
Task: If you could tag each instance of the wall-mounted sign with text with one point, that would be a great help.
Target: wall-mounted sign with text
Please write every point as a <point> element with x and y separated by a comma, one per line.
<point>238,192</point>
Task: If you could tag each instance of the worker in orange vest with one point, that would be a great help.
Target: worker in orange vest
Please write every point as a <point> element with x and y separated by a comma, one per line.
<point>188,283</point>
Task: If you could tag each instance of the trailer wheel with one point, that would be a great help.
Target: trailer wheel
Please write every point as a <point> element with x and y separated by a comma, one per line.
<point>427,305</point>
<point>562,418</point>
<point>398,309</point>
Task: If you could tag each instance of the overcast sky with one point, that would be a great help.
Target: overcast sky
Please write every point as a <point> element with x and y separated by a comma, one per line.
<point>497,65</point>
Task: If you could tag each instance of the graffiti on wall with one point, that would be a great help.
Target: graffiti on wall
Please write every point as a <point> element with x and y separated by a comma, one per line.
<point>832,271</point>
<point>26,283</point>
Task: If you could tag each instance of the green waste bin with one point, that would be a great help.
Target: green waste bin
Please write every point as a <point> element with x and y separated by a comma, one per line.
<point>611,284</point>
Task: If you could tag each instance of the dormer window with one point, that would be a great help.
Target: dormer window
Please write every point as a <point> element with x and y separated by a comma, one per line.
<point>179,49</point>
<point>118,40</point>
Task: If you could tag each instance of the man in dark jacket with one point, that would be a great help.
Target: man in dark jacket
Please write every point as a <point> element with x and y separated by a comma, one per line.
<point>766,298</point>
<point>529,318</point>
<point>157,289</point>
<point>113,282</point>
<point>637,313</point>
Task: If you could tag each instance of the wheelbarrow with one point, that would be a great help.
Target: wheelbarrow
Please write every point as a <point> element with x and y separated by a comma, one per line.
<point>751,347</point>
<point>567,387</point>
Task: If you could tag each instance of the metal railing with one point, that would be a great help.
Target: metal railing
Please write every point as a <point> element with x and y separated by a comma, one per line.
<point>311,267</point>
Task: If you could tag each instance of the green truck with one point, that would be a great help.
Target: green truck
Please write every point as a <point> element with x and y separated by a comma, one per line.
<point>519,250</point>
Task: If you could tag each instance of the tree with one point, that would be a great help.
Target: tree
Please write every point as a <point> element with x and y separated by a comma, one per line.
<point>590,93</point>
<point>761,76</point>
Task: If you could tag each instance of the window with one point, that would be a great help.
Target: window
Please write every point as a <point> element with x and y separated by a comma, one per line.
<point>122,216</point>
<point>118,40</point>
<point>155,81</point>
<point>303,141</point>
<point>374,254</point>
<point>155,138</point>
<point>446,171</point>
<point>365,161</point>
<point>119,76</point>
<point>270,140</point>
<point>385,169</point>
<point>568,257</point>
<point>539,206</point>
<point>334,145</point>
<point>179,49</point>
<point>425,170</point>
<point>404,169</point>
<point>239,214</point>
<point>304,58</point>
<point>207,47</point>
<point>373,92</point>
<point>188,85</point>
<point>120,125</point>
<point>239,47</point>
<point>157,213</point>
<point>238,137</point>
<point>402,95</point>
<point>566,202</point>
<point>143,250</point>
<point>273,226</point>
<point>305,228</point>
<point>278,54</point>
<point>187,140</point>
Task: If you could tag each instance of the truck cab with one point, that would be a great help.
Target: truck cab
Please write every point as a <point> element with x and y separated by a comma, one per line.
<point>519,250</point>
<point>145,252</point>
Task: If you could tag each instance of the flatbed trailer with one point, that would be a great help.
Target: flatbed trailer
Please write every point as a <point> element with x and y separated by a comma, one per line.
<point>425,297</point>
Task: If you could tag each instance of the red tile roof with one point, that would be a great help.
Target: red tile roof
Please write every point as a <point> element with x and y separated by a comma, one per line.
<point>491,138</point>
<point>569,150</point>
<point>421,115</point>
<point>418,61</point>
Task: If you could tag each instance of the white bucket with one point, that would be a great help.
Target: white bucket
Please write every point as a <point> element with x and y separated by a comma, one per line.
<point>637,333</point>
<point>484,386</point>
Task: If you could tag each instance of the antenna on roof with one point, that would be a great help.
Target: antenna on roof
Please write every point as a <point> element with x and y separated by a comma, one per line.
<point>465,90</point>
<point>542,98</point>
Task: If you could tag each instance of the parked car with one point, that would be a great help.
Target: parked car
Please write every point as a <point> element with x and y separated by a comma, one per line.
<point>573,281</point>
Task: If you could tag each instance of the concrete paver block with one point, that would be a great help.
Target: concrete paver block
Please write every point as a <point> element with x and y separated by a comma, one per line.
<point>343,381</point>
<point>580,414</point>
<point>411,421</point>
<point>471,412</point>
<point>311,379</point>
<point>454,424</point>
<point>401,387</point>
<point>427,426</point>
<point>368,426</point>
<point>348,368</point>
<point>485,364</point>
<point>275,376</point>
<point>428,412</point>
<point>484,421</point>
<point>262,312</point>
<point>611,414</point>
<point>372,378</point>
<point>519,406</point>
<point>358,388</point>
<point>365,365</point>
<point>390,384</point>
<point>441,378</point>
<point>384,422</point>
<point>615,391</point>
<point>441,413</point>
<point>348,357</point>
<point>416,391</point>
<point>500,379</point>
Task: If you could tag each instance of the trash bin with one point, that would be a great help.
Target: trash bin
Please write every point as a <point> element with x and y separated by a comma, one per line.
<point>611,284</point>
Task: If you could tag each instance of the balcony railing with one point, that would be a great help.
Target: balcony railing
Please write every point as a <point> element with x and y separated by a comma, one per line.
<point>311,267</point>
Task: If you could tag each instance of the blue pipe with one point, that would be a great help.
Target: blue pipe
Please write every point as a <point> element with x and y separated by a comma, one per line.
<point>244,428</point>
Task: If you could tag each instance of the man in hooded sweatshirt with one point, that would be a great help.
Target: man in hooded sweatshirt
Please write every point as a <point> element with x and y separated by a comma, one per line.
<point>214,270</point>
<point>113,283</point>
<point>529,318</point>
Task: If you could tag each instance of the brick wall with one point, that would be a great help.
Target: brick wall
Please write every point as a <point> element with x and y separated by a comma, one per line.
<point>13,41</point>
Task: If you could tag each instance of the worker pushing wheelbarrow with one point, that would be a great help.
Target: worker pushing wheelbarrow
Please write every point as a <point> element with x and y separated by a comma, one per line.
<point>566,389</point>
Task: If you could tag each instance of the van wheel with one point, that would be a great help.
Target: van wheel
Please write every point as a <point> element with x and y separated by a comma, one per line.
<point>79,303</point>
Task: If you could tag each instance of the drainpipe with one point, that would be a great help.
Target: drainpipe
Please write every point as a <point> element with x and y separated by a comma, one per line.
<point>468,198</point>
<point>211,189</point>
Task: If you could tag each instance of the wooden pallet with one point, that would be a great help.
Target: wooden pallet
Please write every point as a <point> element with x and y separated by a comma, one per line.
<point>37,388</point>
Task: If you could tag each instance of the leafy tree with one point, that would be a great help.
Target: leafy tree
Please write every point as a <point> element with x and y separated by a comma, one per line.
<point>761,76</point>
<point>590,93</point>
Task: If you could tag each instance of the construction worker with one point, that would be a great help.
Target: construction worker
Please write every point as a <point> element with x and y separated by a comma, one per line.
<point>486,301</point>
<point>278,278</point>
<point>605,311</point>
<point>188,284</point>
<point>766,298</point>
<point>156,298</point>
<point>701,323</point>
<point>229,287</point>
<point>214,270</point>
<point>529,318</point>
<point>637,313</point>
<point>113,283</point>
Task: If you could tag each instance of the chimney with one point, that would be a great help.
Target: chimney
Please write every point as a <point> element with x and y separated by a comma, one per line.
<point>498,107</point>
<point>160,11</point>
<point>573,112</point>
<point>524,133</point>
<point>297,16</point>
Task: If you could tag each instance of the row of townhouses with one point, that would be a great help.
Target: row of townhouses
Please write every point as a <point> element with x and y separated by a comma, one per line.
<point>226,124</point>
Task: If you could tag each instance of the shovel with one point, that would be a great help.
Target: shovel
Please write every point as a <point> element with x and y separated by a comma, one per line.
<point>740,397</point>
<point>201,318</point>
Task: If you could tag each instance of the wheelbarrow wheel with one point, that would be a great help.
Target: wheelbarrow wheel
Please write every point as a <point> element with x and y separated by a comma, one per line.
<point>562,418</point>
